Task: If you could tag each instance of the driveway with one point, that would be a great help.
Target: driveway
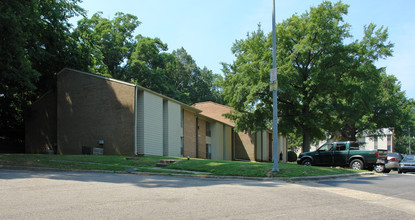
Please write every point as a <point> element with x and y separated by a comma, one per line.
<point>77,195</point>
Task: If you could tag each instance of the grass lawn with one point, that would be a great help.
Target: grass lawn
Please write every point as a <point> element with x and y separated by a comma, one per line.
<point>256,169</point>
<point>144,164</point>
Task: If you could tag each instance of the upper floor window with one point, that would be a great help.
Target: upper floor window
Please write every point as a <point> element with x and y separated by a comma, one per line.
<point>181,118</point>
<point>389,139</point>
<point>208,132</point>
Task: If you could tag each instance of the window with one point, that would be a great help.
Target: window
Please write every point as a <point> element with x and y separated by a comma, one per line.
<point>208,132</point>
<point>389,142</point>
<point>208,151</point>
<point>354,146</point>
<point>340,147</point>
<point>326,147</point>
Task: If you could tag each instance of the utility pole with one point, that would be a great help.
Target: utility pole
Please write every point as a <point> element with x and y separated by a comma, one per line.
<point>273,88</point>
<point>409,139</point>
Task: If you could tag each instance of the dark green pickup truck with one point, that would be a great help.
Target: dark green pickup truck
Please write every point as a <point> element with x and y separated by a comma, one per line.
<point>345,153</point>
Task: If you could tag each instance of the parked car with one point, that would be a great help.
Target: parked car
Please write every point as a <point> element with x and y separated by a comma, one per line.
<point>392,162</point>
<point>345,153</point>
<point>407,164</point>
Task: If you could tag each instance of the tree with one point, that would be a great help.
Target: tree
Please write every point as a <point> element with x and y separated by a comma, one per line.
<point>34,46</point>
<point>203,87</point>
<point>148,66</point>
<point>245,86</point>
<point>17,74</point>
<point>310,51</point>
<point>194,83</point>
<point>106,44</point>
<point>312,57</point>
<point>325,84</point>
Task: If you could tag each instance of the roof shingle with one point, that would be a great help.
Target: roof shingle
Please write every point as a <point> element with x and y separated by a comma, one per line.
<point>215,111</point>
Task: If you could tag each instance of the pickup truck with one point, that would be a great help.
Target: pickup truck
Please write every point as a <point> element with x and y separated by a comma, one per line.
<point>345,153</point>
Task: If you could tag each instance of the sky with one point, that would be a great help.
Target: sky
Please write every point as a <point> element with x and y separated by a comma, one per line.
<point>207,29</point>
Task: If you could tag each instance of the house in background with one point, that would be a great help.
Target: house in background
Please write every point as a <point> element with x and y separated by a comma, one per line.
<point>89,111</point>
<point>243,145</point>
<point>381,139</point>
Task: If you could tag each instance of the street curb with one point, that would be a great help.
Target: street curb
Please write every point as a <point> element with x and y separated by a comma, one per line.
<point>286,179</point>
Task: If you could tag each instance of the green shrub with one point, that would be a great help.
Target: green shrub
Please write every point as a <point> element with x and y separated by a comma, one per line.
<point>292,156</point>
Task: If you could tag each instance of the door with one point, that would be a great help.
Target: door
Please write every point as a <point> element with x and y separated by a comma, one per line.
<point>324,155</point>
<point>340,154</point>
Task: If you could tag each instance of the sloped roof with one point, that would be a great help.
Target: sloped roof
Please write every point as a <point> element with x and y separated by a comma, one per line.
<point>215,111</point>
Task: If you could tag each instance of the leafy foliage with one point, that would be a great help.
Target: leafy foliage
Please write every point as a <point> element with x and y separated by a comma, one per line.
<point>326,86</point>
<point>106,44</point>
<point>246,83</point>
<point>35,44</point>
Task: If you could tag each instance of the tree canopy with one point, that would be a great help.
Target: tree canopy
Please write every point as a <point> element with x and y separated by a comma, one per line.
<point>326,86</point>
<point>35,44</point>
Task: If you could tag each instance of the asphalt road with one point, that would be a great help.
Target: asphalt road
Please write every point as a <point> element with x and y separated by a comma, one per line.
<point>72,195</point>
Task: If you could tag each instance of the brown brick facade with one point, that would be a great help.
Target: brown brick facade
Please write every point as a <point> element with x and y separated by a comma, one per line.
<point>244,146</point>
<point>189,134</point>
<point>201,134</point>
<point>92,109</point>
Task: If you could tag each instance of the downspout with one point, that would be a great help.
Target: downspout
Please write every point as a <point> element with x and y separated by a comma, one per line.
<point>135,122</point>
<point>233,144</point>
<point>224,142</point>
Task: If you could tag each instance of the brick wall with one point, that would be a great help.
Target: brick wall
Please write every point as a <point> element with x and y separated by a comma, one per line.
<point>92,108</point>
<point>189,134</point>
<point>201,138</point>
<point>244,146</point>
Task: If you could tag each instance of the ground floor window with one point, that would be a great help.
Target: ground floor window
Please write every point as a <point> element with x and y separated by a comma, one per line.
<point>208,151</point>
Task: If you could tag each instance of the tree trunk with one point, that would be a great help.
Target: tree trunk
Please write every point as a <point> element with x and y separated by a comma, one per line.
<point>349,133</point>
<point>306,139</point>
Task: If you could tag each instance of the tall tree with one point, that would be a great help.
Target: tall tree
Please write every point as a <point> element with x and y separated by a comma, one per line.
<point>34,46</point>
<point>393,109</point>
<point>325,84</point>
<point>310,53</point>
<point>353,112</point>
<point>311,56</point>
<point>194,83</point>
<point>246,82</point>
<point>148,66</point>
<point>106,44</point>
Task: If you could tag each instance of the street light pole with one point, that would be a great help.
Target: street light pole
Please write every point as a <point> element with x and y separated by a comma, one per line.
<point>409,139</point>
<point>274,87</point>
